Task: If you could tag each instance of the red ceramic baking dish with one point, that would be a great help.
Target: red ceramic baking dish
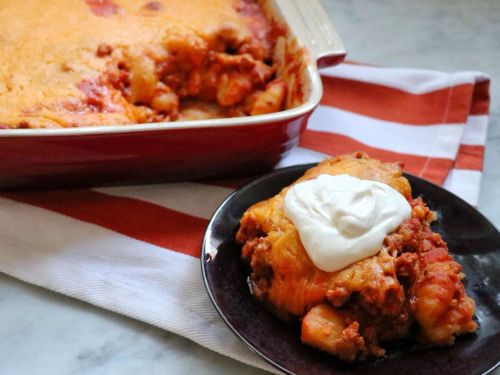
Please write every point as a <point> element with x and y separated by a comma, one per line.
<point>52,158</point>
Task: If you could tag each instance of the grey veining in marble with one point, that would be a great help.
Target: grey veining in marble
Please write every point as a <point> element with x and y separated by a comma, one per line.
<point>45,333</point>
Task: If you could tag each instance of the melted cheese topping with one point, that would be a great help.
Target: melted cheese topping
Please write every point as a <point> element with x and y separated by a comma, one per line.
<point>48,48</point>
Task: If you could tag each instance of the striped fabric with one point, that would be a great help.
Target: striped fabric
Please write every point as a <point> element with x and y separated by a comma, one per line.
<point>436,123</point>
<point>135,249</point>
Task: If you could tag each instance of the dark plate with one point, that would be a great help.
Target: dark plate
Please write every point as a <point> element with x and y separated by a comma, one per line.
<point>473,240</point>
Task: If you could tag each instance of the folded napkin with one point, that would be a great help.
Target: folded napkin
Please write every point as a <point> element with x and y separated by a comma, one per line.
<point>135,249</point>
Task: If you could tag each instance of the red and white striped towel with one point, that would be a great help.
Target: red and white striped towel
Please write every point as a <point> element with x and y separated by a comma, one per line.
<point>135,249</point>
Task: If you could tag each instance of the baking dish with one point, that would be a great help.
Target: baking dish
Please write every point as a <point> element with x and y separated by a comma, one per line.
<point>49,158</point>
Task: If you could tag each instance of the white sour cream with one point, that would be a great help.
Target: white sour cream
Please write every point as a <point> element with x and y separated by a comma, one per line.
<point>342,219</point>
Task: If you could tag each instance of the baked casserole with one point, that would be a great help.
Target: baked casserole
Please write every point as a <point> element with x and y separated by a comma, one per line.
<point>410,287</point>
<point>73,63</point>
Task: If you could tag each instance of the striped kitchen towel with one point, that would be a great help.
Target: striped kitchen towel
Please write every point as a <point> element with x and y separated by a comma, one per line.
<point>135,249</point>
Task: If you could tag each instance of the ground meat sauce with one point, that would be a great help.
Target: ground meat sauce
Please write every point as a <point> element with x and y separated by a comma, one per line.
<point>229,72</point>
<point>102,8</point>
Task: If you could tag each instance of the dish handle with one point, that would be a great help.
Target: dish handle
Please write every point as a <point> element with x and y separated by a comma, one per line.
<point>313,27</point>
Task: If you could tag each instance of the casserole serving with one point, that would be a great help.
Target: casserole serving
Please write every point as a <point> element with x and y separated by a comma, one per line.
<point>261,103</point>
<point>390,279</point>
<point>473,242</point>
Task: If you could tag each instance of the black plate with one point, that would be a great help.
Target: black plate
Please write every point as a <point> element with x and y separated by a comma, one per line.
<point>473,240</point>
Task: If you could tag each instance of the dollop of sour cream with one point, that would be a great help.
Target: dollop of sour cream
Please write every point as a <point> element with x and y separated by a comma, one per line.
<point>343,219</point>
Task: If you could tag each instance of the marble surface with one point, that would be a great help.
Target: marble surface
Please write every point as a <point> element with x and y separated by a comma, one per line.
<point>46,333</point>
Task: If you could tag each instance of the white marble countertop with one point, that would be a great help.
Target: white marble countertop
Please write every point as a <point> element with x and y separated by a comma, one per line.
<point>46,333</point>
